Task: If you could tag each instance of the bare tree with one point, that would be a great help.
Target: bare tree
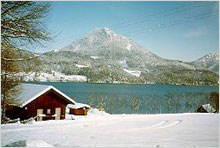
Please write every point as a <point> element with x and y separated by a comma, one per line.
<point>22,22</point>
<point>22,25</point>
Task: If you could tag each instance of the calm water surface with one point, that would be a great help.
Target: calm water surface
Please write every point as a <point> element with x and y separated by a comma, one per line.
<point>137,98</point>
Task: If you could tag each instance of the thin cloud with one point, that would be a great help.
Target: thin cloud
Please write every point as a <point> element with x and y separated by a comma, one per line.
<point>195,33</point>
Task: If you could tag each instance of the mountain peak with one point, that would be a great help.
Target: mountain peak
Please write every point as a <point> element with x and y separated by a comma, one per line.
<point>106,29</point>
<point>106,32</point>
<point>104,38</point>
<point>210,61</point>
<point>211,55</point>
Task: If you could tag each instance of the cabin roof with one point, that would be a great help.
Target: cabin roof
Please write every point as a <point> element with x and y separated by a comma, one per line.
<point>208,108</point>
<point>78,106</point>
<point>29,92</point>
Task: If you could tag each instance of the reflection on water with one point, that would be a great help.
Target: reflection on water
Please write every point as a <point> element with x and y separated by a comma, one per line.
<point>125,98</point>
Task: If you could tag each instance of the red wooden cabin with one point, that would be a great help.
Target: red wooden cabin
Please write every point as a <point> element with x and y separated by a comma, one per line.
<point>41,101</point>
<point>78,109</point>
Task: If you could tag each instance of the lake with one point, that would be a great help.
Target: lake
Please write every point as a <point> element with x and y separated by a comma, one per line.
<point>137,98</point>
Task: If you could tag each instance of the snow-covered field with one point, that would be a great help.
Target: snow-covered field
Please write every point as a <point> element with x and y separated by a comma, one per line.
<point>178,130</point>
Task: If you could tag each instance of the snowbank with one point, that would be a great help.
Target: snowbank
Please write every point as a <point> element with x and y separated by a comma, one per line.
<point>162,130</point>
<point>96,112</point>
<point>92,112</point>
<point>37,143</point>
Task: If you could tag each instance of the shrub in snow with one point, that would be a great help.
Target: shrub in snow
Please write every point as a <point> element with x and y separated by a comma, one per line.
<point>100,107</point>
<point>69,117</point>
<point>95,111</point>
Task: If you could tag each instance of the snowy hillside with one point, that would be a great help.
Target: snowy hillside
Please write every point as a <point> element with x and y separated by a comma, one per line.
<point>162,130</point>
<point>136,73</point>
<point>51,77</point>
<point>209,61</point>
<point>105,56</point>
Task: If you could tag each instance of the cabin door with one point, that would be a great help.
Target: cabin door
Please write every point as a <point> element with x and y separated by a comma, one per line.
<point>39,111</point>
<point>58,113</point>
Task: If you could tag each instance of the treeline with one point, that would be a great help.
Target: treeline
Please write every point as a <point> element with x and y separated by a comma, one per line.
<point>104,73</point>
<point>152,104</point>
<point>109,70</point>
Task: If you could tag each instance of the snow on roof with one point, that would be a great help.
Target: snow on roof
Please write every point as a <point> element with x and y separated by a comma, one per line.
<point>208,108</point>
<point>77,106</point>
<point>29,92</point>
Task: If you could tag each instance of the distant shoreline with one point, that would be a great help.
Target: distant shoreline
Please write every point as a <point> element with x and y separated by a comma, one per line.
<point>112,83</point>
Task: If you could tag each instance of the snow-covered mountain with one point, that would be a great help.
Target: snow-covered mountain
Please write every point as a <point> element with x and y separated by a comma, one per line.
<point>106,44</point>
<point>100,38</point>
<point>209,61</point>
<point>104,56</point>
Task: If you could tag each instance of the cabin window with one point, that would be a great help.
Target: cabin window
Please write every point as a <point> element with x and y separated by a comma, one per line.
<point>48,111</point>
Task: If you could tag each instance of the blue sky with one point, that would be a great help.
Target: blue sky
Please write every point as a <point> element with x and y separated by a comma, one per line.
<point>174,30</point>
